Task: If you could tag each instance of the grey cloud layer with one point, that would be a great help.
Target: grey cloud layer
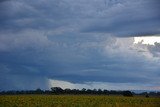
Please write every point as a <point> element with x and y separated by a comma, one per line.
<point>120,18</point>
<point>76,41</point>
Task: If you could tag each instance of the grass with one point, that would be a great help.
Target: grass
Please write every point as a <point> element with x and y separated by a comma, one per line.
<point>76,101</point>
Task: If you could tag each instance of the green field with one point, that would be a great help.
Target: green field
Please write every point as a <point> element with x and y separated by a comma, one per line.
<point>76,101</point>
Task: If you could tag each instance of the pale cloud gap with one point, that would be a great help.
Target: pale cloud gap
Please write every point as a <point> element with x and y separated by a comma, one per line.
<point>102,85</point>
<point>79,42</point>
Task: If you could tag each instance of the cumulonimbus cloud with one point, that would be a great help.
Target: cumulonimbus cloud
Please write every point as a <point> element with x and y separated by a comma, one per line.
<point>77,41</point>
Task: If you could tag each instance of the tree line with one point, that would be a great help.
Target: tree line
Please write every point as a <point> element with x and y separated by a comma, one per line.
<point>58,90</point>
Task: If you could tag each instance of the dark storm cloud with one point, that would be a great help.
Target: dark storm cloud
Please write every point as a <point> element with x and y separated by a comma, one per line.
<point>132,18</point>
<point>120,18</point>
<point>125,27</point>
<point>4,1</point>
<point>75,41</point>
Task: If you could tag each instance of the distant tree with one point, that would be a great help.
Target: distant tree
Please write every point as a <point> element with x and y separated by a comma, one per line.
<point>75,91</point>
<point>146,95</point>
<point>113,92</point>
<point>67,91</point>
<point>127,93</point>
<point>152,93</point>
<point>158,93</point>
<point>47,92</point>
<point>38,91</point>
<point>143,93</point>
<point>89,91</point>
<point>106,92</point>
<point>94,91</point>
<point>83,91</point>
<point>99,91</point>
<point>57,90</point>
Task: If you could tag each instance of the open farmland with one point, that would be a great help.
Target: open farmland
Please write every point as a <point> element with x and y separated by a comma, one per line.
<point>77,101</point>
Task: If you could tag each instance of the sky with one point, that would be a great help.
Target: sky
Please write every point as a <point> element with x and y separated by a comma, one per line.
<point>107,44</point>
